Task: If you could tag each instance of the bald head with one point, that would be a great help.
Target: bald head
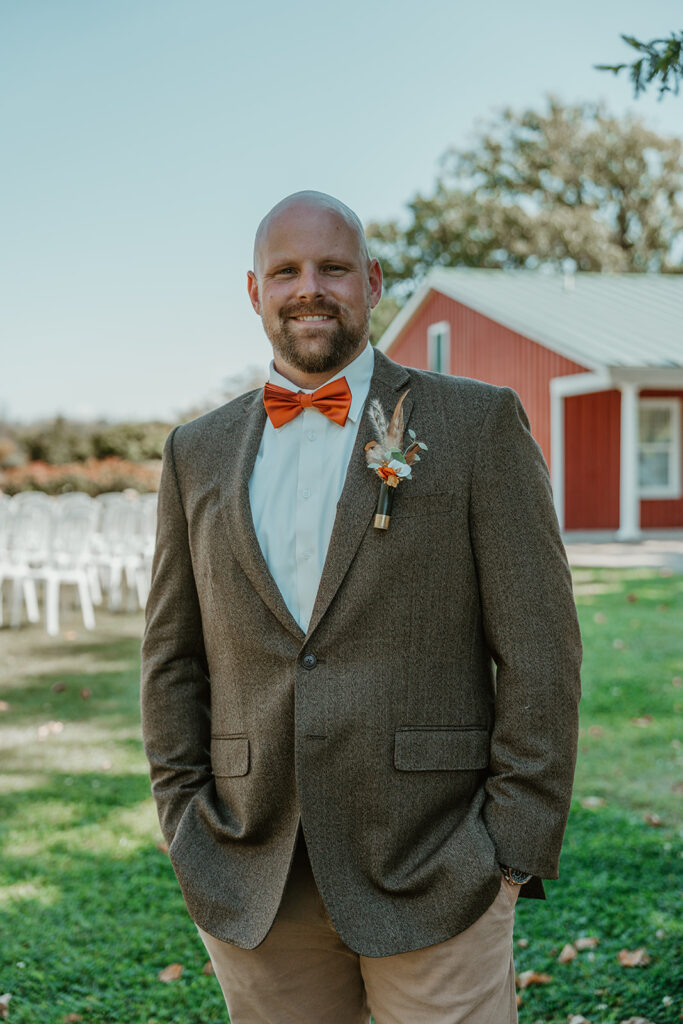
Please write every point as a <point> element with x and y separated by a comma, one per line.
<point>306,201</point>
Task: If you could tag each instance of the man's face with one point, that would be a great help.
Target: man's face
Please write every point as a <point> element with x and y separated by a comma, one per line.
<point>313,288</point>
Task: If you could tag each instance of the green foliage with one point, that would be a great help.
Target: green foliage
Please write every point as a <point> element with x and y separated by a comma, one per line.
<point>91,911</point>
<point>382,315</point>
<point>661,60</point>
<point>55,441</point>
<point>136,442</point>
<point>60,440</point>
<point>564,186</point>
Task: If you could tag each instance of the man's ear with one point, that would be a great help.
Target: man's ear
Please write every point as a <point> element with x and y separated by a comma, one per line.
<point>375,279</point>
<point>252,288</point>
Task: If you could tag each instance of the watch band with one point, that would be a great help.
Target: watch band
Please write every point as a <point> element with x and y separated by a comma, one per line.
<point>515,877</point>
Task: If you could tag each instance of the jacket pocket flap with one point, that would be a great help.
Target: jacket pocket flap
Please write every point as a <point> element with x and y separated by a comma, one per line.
<point>424,504</point>
<point>229,756</point>
<point>437,749</point>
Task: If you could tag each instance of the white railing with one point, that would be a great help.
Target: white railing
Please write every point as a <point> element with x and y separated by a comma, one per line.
<point>102,545</point>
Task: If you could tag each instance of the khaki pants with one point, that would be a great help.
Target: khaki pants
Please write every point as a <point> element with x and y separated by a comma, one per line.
<point>302,973</point>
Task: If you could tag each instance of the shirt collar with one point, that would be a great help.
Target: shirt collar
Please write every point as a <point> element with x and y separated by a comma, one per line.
<point>358,373</point>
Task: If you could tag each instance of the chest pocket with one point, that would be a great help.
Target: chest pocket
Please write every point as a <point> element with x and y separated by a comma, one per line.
<point>408,505</point>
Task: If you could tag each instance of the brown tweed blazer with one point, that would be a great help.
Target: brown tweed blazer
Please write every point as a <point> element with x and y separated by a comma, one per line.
<point>423,730</point>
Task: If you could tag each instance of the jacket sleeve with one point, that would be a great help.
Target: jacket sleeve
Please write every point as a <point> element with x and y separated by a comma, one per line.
<point>532,632</point>
<point>175,697</point>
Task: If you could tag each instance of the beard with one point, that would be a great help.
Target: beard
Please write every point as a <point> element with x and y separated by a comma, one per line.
<point>335,345</point>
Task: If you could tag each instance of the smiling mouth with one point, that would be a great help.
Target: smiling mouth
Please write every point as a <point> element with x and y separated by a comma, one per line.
<point>311,319</point>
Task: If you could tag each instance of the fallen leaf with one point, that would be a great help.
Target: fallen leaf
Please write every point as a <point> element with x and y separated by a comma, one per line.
<point>162,847</point>
<point>70,634</point>
<point>677,682</point>
<point>72,1018</point>
<point>600,618</point>
<point>578,1018</point>
<point>527,978</point>
<point>207,968</point>
<point>618,644</point>
<point>518,1000</point>
<point>643,721</point>
<point>86,694</point>
<point>523,943</point>
<point>596,731</point>
<point>4,706</point>
<point>4,1006</point>
<point>677,787</point>
<point>586,942</point>
<point>591,803</point>
<point>653,819</point>
<point>58,687</point>
<point>567,954</point>
<point>631,598</point>
<point>49,728</point>
<point>171,973</point>
<point>662,607</point>
<point>633,957</point>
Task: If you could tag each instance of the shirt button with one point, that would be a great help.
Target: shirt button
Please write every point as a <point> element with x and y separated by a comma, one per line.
<point>306,493</point>
<point>306,555</point>
<point>309,661</point>
<point>311,435</point>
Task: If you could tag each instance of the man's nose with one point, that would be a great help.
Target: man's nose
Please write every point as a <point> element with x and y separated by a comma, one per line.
<point>310,283</point>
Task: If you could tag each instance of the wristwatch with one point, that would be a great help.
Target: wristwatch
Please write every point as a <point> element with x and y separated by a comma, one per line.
<point>513,876</point>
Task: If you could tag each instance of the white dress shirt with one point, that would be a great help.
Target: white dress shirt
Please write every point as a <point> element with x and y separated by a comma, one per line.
<point>296,483</point>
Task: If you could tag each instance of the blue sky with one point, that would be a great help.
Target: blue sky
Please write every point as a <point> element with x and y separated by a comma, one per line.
<point>142,141</point>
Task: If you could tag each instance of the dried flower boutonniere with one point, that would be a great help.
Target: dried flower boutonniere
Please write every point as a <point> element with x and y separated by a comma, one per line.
<point>387,457</point>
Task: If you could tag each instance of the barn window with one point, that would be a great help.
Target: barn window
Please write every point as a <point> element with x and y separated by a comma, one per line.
<point>659,448</point>
<point>439,347</point>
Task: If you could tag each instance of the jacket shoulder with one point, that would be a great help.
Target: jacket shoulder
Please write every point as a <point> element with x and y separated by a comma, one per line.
<point>464,392</point>
<point>205,430</point>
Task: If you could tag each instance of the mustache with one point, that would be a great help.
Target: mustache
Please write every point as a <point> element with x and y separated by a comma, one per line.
<point>327,308</point>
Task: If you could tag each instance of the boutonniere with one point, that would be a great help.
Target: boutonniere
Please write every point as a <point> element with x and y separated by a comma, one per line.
<point>387,457</point>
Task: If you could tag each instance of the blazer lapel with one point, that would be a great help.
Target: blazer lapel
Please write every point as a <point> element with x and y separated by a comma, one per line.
<point>358,500</point>
<point>236,469</point>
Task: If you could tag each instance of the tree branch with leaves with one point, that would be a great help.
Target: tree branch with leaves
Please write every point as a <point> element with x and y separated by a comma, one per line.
<point>661,60</point>
<point>567,186</point>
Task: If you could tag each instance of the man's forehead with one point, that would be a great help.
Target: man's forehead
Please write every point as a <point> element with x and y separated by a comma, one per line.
<point>301,218</point>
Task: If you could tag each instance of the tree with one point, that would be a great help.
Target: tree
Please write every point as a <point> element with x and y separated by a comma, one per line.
<point>567,186</point>
<point>662,60</point>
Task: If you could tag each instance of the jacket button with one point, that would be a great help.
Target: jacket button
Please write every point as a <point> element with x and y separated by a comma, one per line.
<point>309,661</point>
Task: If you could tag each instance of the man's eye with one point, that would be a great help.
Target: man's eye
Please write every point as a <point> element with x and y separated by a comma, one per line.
<point>334,268</point>
<point>284,271</point>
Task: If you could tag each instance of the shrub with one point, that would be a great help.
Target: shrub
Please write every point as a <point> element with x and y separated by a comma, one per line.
<point>61,441</point>
<point>94,476</point>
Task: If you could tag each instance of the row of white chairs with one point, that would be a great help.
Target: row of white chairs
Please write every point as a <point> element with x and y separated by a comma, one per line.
<point>103,545</point>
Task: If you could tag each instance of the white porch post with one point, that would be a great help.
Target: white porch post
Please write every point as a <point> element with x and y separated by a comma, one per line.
<point>557,451</point>
<point>561,388</point>
<point>629,501</point>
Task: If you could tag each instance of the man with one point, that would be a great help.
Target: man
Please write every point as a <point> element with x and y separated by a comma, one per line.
<point>361,740</point>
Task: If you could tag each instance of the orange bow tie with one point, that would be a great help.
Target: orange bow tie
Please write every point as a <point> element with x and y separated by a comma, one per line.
<point>333,399</point>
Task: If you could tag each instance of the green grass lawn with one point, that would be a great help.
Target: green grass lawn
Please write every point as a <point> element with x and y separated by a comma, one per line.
<point>90,911</point>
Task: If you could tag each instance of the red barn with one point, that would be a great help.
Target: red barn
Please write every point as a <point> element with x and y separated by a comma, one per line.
<point>597,360</point>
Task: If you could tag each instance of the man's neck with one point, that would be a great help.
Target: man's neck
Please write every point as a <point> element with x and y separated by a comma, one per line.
<point>310,381</point>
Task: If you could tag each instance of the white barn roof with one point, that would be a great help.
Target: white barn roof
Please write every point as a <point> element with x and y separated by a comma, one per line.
<point>598,320</point>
